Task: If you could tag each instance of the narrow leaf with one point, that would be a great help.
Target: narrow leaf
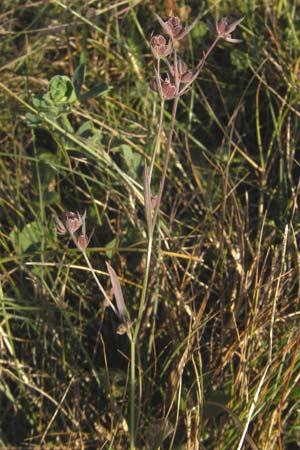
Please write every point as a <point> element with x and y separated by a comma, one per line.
<point>93,92</point>
<point>118,293</point>
<point>78,78</point>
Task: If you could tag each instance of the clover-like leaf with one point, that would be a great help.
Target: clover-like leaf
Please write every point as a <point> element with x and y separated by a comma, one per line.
<point>61,90</point>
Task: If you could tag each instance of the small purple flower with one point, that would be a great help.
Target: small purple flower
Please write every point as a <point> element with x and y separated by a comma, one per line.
<point>173,27</point>
<point>167,89</point>
<point>160,47</point>
<point>70,222</point>
<point>73,221</point>
<point>185,75</point>
<point>83,241</point>
<point>224,29</point>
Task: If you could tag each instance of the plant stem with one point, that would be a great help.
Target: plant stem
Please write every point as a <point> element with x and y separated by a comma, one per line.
<point>161,116</point>
<point>146,279</point>
<point>132,394</point>
<point>144,289</point>
<point>166,162</point>
<point>133,349</point>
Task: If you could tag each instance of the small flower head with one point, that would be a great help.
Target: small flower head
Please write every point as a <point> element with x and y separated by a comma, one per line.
<point>167,89</point>
<point>160,47</point>
<point>73,221</point>
<point>184,74</point>
<point>83,241</point>
<point>224,29</point>
<point>70,222</point>
<point>173,27</point>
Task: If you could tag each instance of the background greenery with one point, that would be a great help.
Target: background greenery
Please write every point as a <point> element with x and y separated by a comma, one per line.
<point>227,264</point>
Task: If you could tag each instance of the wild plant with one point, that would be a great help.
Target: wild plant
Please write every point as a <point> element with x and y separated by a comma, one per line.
<point>172,80</point>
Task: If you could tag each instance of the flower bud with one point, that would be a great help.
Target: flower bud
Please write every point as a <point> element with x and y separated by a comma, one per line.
<point>224,29</point>
<point>184,74</point>
<point>173,27</point>
<point>168,90</point>
<point>83,242</point>
<point>159,46</point>
<point>187,76</point>
<point>72,221</point>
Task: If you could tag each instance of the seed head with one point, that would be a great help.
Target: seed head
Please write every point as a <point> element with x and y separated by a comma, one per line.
<point>160,47</point>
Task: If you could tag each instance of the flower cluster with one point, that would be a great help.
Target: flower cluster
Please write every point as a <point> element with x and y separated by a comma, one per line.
<point>176,81</point>
<point>70,223</point>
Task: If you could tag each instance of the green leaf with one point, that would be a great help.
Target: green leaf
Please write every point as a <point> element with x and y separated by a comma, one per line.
<point>43,170</point>
<point>127,153</point>
<point>50,197</point>
<point>61,90</point>
<point>32,120</point>
<point>199,31</point>
<point>110,248</point>
<point>98,89</point>
<point>132,158</point>
<point>86,130</point>
<point>78,78</point>
<point>42,103</point>
<point>30,236</point>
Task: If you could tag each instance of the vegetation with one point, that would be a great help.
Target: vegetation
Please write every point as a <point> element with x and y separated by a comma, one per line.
<point>149,302</point>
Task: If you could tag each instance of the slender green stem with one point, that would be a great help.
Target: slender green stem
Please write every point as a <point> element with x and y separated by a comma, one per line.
<point>66,123</point>
<point>132,394</point>
<point>199,66</point>
<point>133,348</point>
<point>144,289</point>
<point>157,142</point>
<point>145,282</point>
<point>166,162</point>
<point>158,135</point>
<point>147,269</point>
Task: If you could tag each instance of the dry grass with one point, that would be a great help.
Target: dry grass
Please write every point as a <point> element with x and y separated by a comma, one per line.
<point>218,357</point>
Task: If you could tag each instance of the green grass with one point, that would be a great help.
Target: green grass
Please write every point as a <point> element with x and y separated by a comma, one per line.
<point>217,349</point>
